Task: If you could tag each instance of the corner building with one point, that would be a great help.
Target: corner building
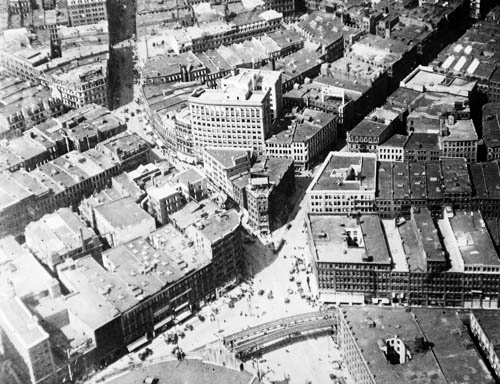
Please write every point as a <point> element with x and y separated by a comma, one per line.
<point>236,117</point>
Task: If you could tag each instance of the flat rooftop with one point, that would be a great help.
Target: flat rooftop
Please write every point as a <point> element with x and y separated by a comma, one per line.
<point>425,79</point>
<point>22,269</point>
<point>342,239</point>
<point>218,225</point>
<point>123,212</point>
<point>462,130</point>
<point>395,141</point>
<point>491,124</point>
<point>379,50</point>
<point>227,156</point>
<point>193,212</point>
<point>473,239</point>
<point>229,96</point>
<point>95,294</point>
<point>490,324</point>
<point>20,324</point>
<point>146,269</point>
<point>188,371</point>
<point>303,127</point>
<point>346,172</point>
<point>58,233</point>
<point>421,369</point>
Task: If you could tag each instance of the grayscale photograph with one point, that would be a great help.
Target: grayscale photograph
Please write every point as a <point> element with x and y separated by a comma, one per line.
<point>249,192</point>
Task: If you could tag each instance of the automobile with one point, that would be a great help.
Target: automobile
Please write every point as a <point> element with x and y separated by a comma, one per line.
<point>270,295</point>
<point>201,317</point>
<point>291,278</point>
<point>261,292</point>
<point>333,376</point>
<point>189,327</point>
<point>289,225</point>
<point>302,295</point>
<point>142,356</point>
<point>231,304</point>
<point>151,380</point>
<point>287,300</point>
<point>290,291</point>
<point>298,283</point>
<point>132,113</point>
<point>148,351</point>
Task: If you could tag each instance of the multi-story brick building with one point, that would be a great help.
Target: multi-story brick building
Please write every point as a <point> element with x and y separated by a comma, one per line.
<point>491,130</point>
<point>83,12</point>
<point>181,272</point>
<point>384,345</point>
<point>345,183</point>
<point>28,340</point>
<point>221,165</point>
<point>59,236</point>
<point>374,130</point>
<point>484,328</point>
<point>122,220</point>
<point>304,138</point>
<point>449,261</point>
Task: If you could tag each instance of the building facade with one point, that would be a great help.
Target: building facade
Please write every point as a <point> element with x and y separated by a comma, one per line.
<point>237,117</point>
<point>83,12</point>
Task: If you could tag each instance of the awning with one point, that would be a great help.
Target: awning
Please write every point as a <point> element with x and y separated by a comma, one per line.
<point>136,344</point>
<point>163,322</point>
<point>182,306</point>
<point>183,316</point>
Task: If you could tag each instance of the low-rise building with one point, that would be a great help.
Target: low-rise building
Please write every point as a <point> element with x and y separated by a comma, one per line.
<point>126,149</point>
<point>25,338</point>
<point>86,12</point>
<point>329,32</point>
<point>164,198</point>
<point>24,105</point>
<point>393,149</point>
<point>59,236</point>
<point>345,183</point>
<point>304,138</point>
<point>223,164</point>
<point>147,287</point>
<point>382,345</point>
<point>22,152</point>
<point>264,193</point>
<point>459,139</point>
<point>62,182</point>
<point>122,220</point>
<point>485,329</point>
<point>393,261</point>
<point>374,130</point>
<point>192,184</point>
<point>423,147</point>
<point>491,130</point>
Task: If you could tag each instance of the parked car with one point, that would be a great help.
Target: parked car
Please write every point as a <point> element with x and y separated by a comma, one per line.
<point>287,300</point>
<point>261,292</point>
<point>189,327</point>
<point>270,295</point>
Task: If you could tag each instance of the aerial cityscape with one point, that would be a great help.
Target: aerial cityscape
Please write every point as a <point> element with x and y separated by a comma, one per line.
<point>249,191</point>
